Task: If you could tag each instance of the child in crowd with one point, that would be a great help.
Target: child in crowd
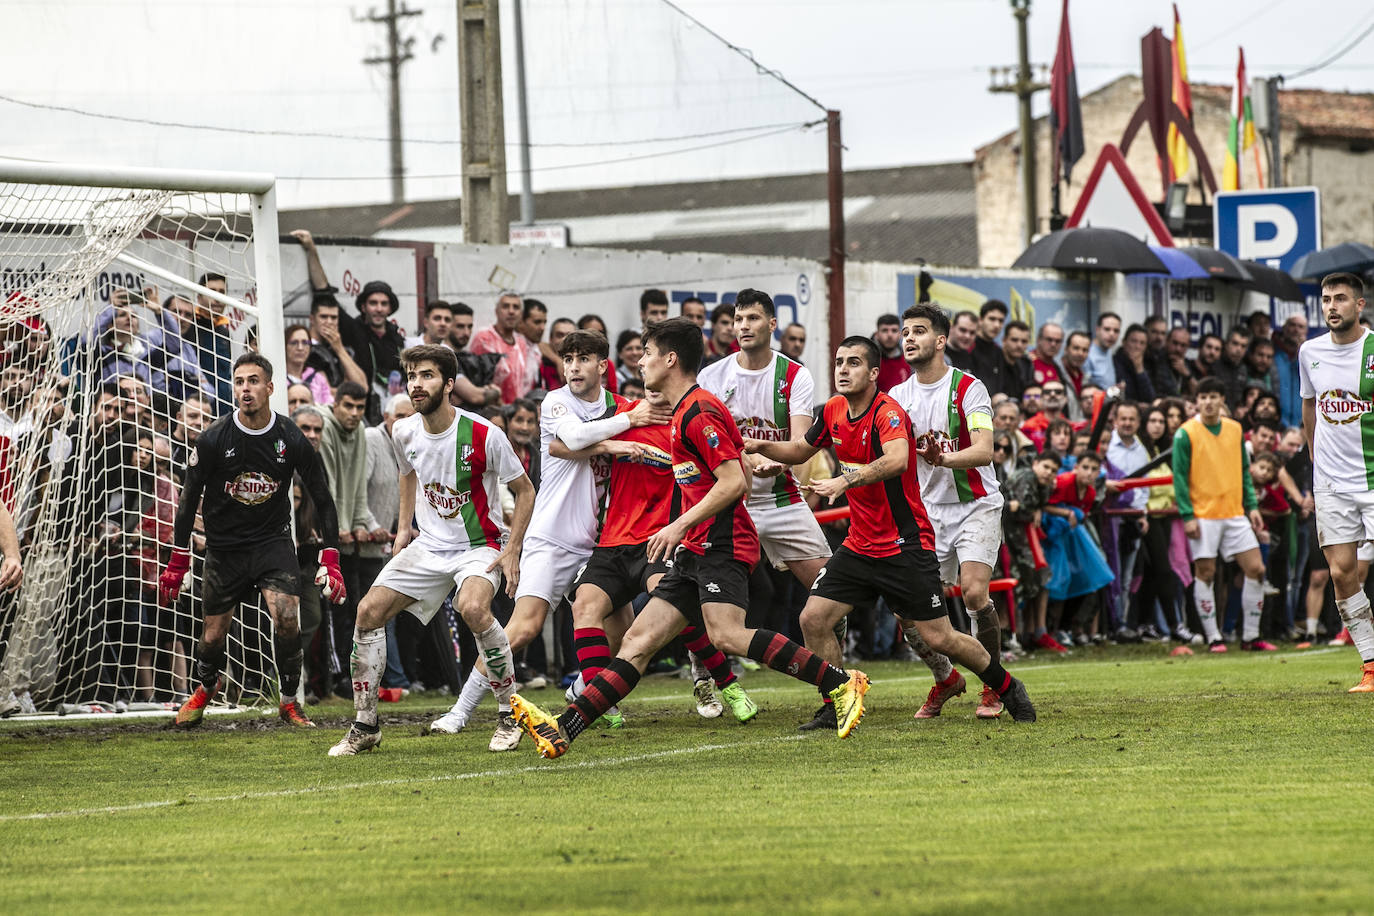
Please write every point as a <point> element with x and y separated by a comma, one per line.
<point>1078,566</point>
<point>1026,493</point>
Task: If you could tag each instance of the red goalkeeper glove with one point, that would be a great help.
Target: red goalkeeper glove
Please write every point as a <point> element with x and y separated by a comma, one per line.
<point>330,578</point>
<point>173,578</point>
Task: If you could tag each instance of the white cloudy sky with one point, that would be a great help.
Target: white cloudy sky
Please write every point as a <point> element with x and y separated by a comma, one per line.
<point>910,76</point>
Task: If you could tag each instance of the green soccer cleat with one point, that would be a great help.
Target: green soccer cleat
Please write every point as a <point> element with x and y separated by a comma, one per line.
<point>849,702</point>
<point>739,702</point>
<point>540,726</point>
<point>611,720</point>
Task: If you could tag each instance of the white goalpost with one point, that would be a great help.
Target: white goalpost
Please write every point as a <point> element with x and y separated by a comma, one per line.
<point>125,296</point>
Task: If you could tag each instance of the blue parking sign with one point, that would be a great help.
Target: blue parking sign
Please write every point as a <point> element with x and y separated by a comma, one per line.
<point>1275,226</point>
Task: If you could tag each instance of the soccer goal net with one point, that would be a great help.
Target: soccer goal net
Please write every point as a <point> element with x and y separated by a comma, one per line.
<point>125,296</point>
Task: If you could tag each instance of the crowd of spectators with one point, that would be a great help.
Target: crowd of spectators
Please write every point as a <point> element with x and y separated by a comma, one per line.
<point>1079,415</point>
<point>1076,413</point>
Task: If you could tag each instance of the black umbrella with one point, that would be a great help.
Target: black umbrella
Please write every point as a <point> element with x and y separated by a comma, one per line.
<point>1272,282</point>
<point>1218,264</point>
<point>1351,257</point>
<point>1092,249</point>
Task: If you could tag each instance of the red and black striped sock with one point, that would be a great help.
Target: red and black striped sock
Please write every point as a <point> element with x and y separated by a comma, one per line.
<point>593,651</point>
<point>611,686</point>
<point>782,654</point>
<point>699,644</point>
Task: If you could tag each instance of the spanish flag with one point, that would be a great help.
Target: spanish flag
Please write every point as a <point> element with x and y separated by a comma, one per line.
<point>1241,136</point>
<point>1179,161</point>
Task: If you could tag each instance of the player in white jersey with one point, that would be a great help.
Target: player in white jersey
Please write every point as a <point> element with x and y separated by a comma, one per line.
<point>951,418</point>
<point>455,461</point>
<point>1337,386</point>
<point>772,398</point>
<point>567,513</point>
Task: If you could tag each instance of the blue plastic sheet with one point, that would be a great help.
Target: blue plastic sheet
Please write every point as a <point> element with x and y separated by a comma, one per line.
<point>1077,566</point>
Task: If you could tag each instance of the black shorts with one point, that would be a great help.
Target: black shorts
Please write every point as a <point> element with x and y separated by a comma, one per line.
<point>909,581</point>
<point>710,579</point>
<point>622,572</point>
<point>231,575</point>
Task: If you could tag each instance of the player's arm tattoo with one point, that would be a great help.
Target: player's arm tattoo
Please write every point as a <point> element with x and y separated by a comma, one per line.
<point>523,491</point>
<point>892,463</point>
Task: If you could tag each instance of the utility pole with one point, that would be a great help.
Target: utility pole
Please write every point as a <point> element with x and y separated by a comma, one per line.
<point>398,52</point>
<point>835,195</point>
<point>483,123</point>
<point>1024,88</point>
<point>522,113</point>
<point>1275,128</point>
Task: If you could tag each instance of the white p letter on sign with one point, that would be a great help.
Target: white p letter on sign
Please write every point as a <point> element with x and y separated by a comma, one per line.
<point>1284,231</point>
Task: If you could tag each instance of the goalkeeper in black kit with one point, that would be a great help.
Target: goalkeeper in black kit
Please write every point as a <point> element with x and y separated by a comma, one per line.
<point>243,463</point>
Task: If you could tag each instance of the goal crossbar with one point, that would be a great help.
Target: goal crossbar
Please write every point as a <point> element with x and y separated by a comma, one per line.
<point>111,176</point>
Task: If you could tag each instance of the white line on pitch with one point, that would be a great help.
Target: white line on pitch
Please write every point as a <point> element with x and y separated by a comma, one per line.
<point>376,783</point>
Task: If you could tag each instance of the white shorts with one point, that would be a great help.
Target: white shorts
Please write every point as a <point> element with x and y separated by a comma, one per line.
<point>964,532</point>
<point>789,533</point>
<point>548,570</point>
<point>1366,552</point>
<point>1224,537</point>
<point>1344,518</point>
<point>428,577</point>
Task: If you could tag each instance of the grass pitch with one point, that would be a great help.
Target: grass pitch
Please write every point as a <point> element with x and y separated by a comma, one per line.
<point>1224,784</point>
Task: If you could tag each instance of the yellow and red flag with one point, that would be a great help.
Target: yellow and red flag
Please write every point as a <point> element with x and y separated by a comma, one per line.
<point>1179,161</point>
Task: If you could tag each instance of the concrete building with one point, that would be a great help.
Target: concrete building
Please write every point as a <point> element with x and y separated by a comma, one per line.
<point>1327,141</point>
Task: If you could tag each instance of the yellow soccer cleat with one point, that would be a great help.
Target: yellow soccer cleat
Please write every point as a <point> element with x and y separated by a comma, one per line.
<point>540,726</point>
<point>849,702</point>
<point>1366,684</point>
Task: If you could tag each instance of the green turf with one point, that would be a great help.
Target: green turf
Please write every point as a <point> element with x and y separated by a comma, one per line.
<point>1221,784</point>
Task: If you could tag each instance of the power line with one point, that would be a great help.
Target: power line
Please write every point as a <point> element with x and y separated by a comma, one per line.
<point>575,165</point>
<point>1335,57</point>
<point>326,135</point>
<point>746,54</point>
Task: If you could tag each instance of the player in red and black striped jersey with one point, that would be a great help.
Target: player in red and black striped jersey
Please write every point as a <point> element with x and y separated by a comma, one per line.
<point>889,552</point>
<point>641,500</point>
<point>714,547</point>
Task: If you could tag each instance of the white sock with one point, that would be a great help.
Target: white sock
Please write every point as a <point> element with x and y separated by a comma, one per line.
<point>1355,612</point>
<point>470,697</point>
<point>1311,627</point>
<point>1251,607</point>
<point>1206,601</point>
<point>939,666</point>
<point>366,665</point>
<point>500,662</point>
<point>699,671</point>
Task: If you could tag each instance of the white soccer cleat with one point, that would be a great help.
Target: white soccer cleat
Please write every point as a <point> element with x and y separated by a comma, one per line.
<point>708,704</point>
<point>355,742</point>
<point>450,723</point>
<point>507,736</point>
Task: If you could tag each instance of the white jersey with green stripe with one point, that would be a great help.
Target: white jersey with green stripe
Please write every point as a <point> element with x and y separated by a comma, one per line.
<point>457,498</point>
<point>572,494</point>
<point>763,402</point>
<point>1340,379</point>
<point>947,411</point>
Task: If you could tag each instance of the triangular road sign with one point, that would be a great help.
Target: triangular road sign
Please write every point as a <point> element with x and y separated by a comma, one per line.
<point>1113,199</point>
